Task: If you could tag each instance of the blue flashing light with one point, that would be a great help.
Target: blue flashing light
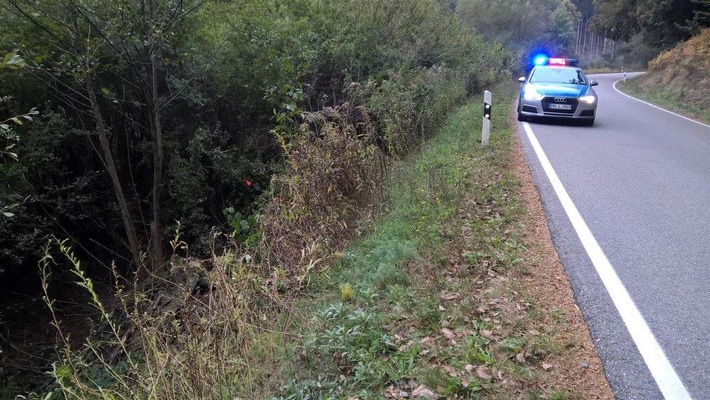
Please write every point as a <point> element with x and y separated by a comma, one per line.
<point>540,59</point>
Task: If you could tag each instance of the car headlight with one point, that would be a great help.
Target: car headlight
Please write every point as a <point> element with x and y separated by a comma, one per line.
<point>588,99</point>
<point>530,93</point>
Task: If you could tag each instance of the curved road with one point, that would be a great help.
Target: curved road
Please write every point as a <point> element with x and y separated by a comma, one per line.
<point>628,205</point>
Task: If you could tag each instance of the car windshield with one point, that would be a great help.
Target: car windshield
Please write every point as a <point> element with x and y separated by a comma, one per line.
<point>558,75</point>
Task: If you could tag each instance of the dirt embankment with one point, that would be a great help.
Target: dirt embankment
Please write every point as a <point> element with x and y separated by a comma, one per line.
<point>684,70</point>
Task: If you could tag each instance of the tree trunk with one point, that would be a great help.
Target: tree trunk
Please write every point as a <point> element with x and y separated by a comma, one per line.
<point>156,231</point>
<point>111,168</point>
<point>157,226</point>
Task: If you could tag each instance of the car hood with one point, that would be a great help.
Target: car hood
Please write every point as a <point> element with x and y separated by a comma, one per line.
<point>562,90</point>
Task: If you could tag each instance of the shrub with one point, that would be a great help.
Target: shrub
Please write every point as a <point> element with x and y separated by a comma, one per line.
<point>183,336</point>
<point>335,172</point>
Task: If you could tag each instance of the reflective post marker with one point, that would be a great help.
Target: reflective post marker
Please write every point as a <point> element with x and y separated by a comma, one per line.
<point>487,108</point>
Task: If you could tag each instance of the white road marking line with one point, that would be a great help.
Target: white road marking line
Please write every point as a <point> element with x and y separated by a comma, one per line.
<point>655,106</point>
<point>666,378</point>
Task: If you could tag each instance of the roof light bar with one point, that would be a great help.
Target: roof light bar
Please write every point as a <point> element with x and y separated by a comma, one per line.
<point>542,59</point>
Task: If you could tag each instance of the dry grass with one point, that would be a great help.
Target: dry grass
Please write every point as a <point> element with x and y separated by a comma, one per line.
<point>185,335</point>
<point>679,78</point>
<point>336,173</point>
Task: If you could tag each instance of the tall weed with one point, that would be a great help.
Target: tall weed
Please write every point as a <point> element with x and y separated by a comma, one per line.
<point>185,336</point>
<point>335,175</point>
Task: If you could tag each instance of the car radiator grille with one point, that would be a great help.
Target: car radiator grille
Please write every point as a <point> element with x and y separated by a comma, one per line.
<point>547,101</point>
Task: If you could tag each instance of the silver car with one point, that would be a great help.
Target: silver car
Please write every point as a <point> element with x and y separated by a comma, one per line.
<point>557,88</point>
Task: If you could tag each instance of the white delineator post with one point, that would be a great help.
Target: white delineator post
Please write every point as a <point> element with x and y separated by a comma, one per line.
<point>487,108</point>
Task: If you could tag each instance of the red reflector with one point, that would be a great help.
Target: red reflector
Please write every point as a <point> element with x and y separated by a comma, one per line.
<point>558,61</point>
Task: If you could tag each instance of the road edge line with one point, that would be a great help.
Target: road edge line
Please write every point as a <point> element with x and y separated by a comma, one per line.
<point>656,361</point>
<point>655,106</point>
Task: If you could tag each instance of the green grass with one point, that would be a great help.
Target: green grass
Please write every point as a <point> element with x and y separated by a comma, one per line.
<point>394,311</point>
<point>668,98</point>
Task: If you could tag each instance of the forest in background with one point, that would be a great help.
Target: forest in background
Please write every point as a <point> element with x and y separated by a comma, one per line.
<point>141,130</point>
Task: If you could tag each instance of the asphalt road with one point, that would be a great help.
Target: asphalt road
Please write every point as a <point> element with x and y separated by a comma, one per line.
<point>640,182</point>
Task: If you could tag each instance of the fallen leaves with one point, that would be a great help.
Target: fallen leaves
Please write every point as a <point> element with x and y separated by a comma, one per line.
<point>425,392</point>
<point>448,334</point>
<point>489,334</point>
<point>410,390</point>
<point>451,371</point>
<point>484,373</point>
<point>450,296</point>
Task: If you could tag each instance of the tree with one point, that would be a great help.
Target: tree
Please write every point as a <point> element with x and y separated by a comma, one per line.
<point>701,12</point>
<point>116,53</point>
<point>523,24</point>
<point>586,7</point>
<point>662,23</point>
<point>617,19</point>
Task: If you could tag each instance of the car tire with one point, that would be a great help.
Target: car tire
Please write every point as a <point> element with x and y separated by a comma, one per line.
<point>521,117</point>
<point>588,122</point>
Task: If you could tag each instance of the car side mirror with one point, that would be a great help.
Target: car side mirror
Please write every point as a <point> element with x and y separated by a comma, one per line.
<point>593,83</point>
<point>521,79</point>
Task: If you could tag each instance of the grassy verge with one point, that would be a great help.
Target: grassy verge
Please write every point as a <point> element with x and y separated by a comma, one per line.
<point>434,301</point>
<point>671,98</point>
<point>426,304</point>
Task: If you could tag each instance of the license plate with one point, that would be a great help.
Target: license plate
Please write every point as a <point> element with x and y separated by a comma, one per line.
<point>554,106</point>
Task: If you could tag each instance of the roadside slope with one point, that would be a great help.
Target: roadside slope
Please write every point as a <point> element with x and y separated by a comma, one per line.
<point>678,79</point>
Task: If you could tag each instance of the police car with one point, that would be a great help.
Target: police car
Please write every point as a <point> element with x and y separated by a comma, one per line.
<point>557,88</point>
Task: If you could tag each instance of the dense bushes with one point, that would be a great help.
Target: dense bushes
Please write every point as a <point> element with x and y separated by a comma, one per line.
<point>277,120</point>
<point>233,71</point>
<point>384,74</point>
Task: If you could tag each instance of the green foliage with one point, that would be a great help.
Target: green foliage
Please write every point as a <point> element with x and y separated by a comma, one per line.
<point>8,137</point>
<point>427,314</point>
<point>512,346</point>
<point>45,190</point>
<point>310,389</point>
<point>354,342</point>
<point>661,24</point>
<point>352,339</point>
<point>188,190</point>
<point>618,18</point>
<point>12,61</point>
<point>382,267</point>
<point>244,229</point>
